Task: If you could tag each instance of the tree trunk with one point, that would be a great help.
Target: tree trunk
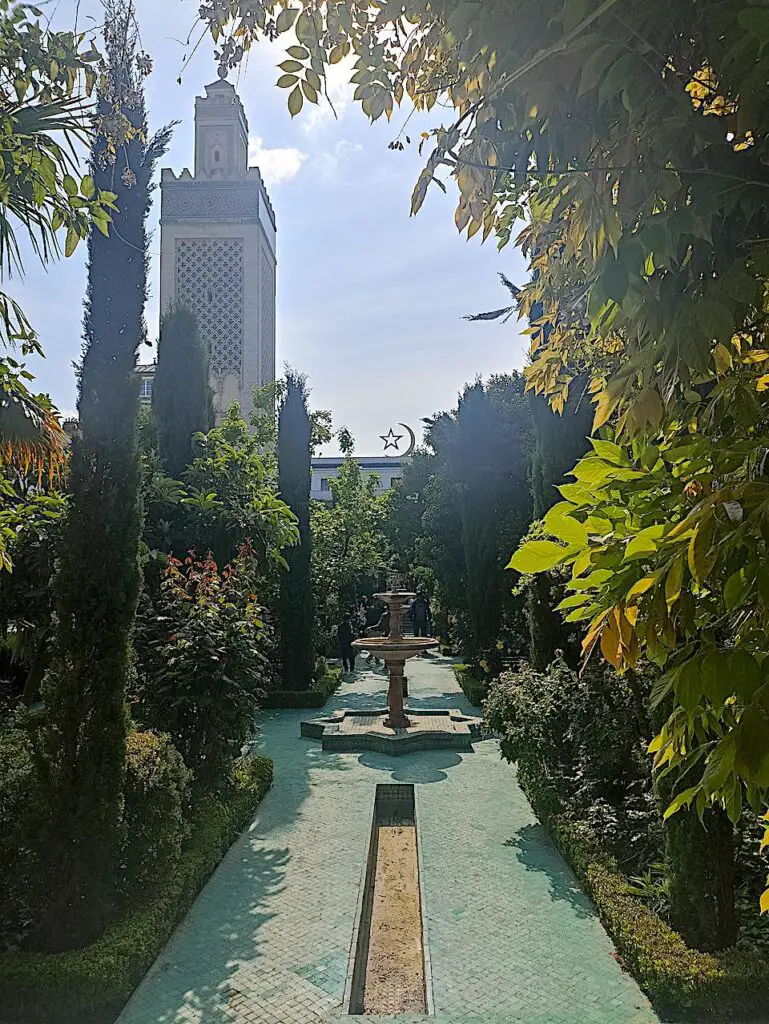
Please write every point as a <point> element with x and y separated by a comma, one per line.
<point>699,858</point>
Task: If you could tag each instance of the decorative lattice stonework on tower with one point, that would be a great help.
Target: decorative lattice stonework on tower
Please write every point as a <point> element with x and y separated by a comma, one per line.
<point>267,353</point>
<point>209,281</point>
<point>218,244</point>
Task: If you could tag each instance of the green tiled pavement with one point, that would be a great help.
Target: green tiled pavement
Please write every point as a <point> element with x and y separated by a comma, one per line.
<point>512,940</point>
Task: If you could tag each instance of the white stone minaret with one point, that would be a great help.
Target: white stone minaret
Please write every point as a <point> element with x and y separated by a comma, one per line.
<point>217,245</point>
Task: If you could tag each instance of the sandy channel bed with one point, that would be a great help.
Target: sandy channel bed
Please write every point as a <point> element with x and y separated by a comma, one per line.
<point>395,973</point>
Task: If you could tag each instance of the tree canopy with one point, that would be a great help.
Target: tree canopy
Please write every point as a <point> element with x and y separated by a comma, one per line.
<point>634,140</point>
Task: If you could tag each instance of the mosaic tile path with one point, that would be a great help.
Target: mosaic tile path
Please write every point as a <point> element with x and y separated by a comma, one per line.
<point>512,940</point>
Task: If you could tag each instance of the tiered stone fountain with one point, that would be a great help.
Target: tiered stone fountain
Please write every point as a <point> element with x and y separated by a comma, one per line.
<point>390,729</point>
<point>395,650</point>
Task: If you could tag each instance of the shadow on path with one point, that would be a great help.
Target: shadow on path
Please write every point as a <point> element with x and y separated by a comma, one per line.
<point>416,768</point>
<point>535,851</point>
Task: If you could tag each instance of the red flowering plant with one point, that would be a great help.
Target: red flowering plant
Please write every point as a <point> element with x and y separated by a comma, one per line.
<point>203,652</point>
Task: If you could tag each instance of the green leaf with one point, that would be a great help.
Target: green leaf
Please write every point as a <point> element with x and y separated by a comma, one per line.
<point>688,684</point>
<point>716,679</point>
<point>596,579</point>
<point>573,601</point>
<point>286,81</point>
<point>609,451</point>
<point>577,494</point>
<point>674,581</point>
<point>298,52</point>
<point>295,101</point>
<point>290,66</point>
<point>682,799</point>
<point>615,280</point>
<point>71,242</point>
<point>88,187</point>
<point>644,543</point>
<point>744,672</point>
<point>736,590</point>
<point>594,68</point>
<point>755,20</point>
<point>715,318</point>
<point>537,556</point>
<point>286,19</point>
<point>565,528</point>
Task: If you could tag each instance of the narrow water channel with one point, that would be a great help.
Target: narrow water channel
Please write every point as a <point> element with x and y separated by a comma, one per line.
<point>390,962</point>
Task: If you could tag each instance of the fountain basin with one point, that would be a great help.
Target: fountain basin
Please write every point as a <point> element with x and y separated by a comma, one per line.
<point>398,650</point>
<point>358,731</point>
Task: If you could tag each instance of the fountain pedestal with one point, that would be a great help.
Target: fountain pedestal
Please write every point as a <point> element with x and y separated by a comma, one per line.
<point>396,691</point>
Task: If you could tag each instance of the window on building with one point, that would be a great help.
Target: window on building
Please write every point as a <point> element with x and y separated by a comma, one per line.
<point>395,479</point>
<point>217,157</point>
<point>324,484</point>
<point>145,388</point>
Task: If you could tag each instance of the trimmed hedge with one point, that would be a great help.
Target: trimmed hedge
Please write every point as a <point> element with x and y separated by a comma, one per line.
<point>91,985</point>
<point>682,983</point>
<point>476,690</point>
<point>315,697</point>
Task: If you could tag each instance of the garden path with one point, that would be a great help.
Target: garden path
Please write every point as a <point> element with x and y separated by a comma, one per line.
<point>512,940</point>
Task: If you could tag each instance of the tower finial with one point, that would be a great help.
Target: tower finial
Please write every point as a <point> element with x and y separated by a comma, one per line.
<point>223,71</point>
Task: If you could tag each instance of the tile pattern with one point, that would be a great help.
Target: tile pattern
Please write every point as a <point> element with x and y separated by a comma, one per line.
<point>512,940</point>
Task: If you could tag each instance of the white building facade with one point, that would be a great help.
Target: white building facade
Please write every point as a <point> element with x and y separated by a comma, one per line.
<point>218,250</point>
<point>389,471</point>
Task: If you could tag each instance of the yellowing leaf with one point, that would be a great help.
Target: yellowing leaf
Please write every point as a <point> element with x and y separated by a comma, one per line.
<point>699,555</point>
<point>640,588</point>
<point>722,357</point>
<point>764,901</point>
<point>610,644</point>
<point>674,581</point>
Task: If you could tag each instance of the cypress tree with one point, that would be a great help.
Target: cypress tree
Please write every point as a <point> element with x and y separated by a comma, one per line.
<point>98,579</point>
<point>296,609</point>
<point>181,395</point>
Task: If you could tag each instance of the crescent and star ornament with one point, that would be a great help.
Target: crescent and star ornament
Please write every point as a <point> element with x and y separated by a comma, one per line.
<point>392,440</point>
<point>412,442</point>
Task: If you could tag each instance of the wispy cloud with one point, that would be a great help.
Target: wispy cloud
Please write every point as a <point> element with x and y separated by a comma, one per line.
<point>329,162</point>
<point>277,165</point>
<point>339,93</point>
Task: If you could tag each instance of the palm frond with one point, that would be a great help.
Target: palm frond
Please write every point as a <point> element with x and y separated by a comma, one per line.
<point>32,441</point>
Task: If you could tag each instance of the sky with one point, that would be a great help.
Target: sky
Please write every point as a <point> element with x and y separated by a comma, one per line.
<point>370,299</point>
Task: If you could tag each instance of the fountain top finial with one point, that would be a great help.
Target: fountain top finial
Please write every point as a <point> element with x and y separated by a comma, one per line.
<point>397,583</point>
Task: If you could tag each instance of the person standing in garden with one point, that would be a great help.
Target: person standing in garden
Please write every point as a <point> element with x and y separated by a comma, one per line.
<point>345,634</point>
<point>420,615</point>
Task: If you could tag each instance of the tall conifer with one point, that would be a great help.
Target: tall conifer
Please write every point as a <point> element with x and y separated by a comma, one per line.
<point>296,598</point>
<point>98,580</point>
<point>181,394</point>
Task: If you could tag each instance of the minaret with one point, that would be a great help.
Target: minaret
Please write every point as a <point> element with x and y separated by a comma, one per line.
<point>217,244</point>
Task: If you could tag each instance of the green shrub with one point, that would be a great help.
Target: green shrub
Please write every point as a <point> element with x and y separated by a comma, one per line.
<point>473,686</point>
<point>579,744</point>
<point>681,982</point>
<point>203,653</point>
<point>322,689</point>
<point>92,984</point>
<point>22,826</point>
<point>152,826</point>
